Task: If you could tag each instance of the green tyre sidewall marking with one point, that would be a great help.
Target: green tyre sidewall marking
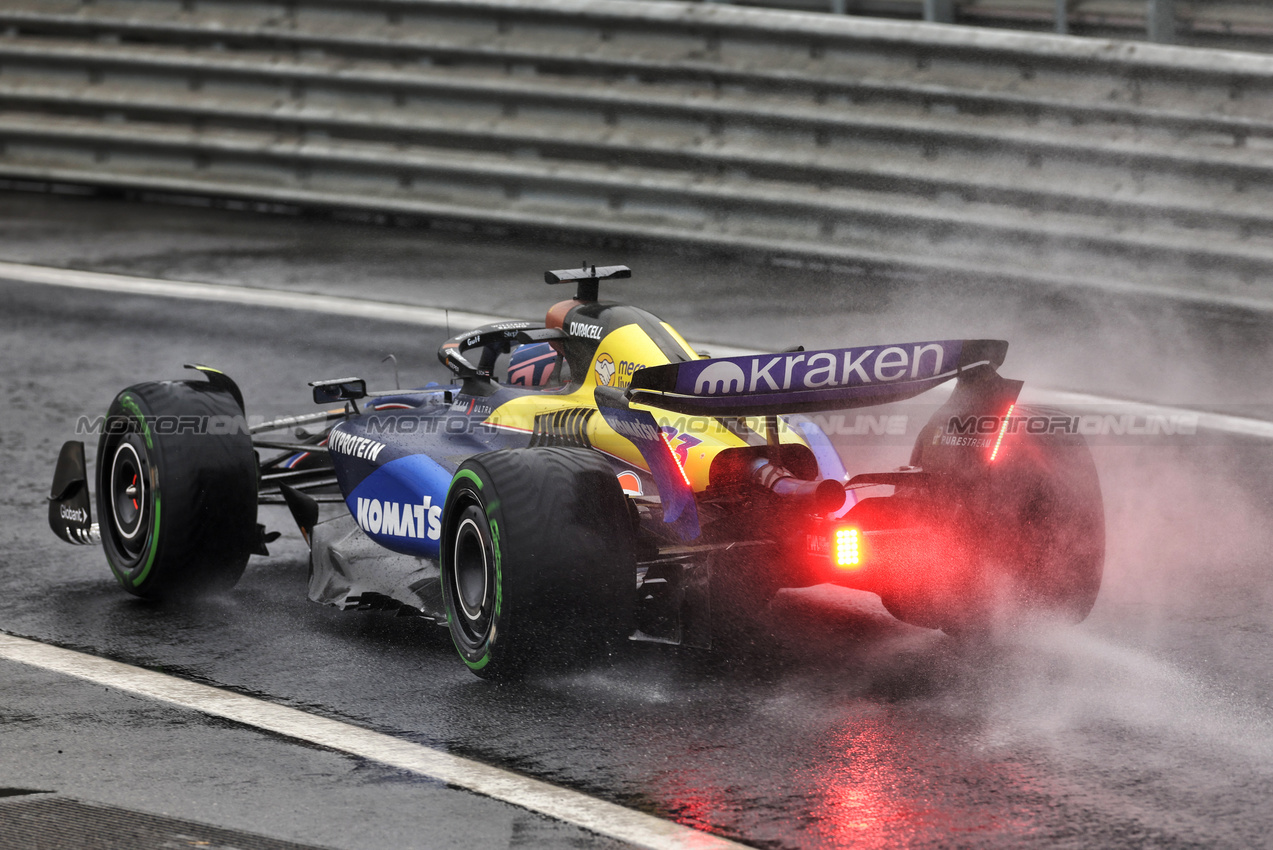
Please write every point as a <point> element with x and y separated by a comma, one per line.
<point>481,662</point>
<point>499,570</point>
<point>469,475</point>
<point>129,404</point>
<point>154,546</point>
<point>476,480</point>
<point>499,596</point>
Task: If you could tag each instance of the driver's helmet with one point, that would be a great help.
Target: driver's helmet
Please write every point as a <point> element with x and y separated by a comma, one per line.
<point>532,365</point>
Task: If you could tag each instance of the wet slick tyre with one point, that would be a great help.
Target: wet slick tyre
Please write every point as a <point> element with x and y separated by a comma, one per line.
<point>1034,537</point>
<point>176,490</point>
<point>538,560</point>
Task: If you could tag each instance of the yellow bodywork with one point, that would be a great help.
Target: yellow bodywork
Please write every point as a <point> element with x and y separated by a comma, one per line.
<point>696,440</point>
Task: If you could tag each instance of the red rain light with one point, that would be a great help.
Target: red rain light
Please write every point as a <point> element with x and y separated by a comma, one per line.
<point>676,460</point>
<point>1003,429</point>
<point>847,548</point>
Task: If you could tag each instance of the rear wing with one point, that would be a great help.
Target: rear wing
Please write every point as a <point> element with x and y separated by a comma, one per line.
<point>805,381</point>
<point>792,382</point>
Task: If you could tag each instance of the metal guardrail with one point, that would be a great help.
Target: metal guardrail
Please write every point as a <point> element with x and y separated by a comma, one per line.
<point>912,147</point>
<point>1230,24</point>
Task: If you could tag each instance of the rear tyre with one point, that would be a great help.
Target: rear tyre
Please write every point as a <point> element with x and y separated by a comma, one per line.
<point>1032,538</point>
<point>176,490</point>
<point>538,559</point>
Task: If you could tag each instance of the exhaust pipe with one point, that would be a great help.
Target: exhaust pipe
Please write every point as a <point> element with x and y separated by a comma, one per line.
<point>824,496</point>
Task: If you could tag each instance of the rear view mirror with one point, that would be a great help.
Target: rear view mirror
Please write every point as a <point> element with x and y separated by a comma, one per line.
<point>341,389</point>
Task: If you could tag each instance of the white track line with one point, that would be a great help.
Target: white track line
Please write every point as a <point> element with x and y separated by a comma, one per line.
<point>336,305</point>
<point>571,807</point>
<point>1209,421</point>
<point>434,317</point>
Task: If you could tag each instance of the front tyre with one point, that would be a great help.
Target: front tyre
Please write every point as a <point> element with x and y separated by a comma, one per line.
<point>176,489</point>
<point>538,559</point>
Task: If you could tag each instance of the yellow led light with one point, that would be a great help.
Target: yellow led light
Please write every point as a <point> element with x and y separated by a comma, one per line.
<point>848,548</point>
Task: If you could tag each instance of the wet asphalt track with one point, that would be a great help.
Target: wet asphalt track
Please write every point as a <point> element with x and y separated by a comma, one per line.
<point>1149,725</point>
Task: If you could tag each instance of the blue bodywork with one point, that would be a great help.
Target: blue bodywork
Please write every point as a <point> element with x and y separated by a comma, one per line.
<point>395,461</point>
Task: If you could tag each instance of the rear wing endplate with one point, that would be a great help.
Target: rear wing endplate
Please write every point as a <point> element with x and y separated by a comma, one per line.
<point>680,510</point>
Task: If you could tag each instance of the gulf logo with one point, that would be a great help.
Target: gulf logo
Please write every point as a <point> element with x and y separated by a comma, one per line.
<point>631,483</point>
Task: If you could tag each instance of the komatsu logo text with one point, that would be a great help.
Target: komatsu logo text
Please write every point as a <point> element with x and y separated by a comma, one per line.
<point>399,519</point>
<point>635,430</point>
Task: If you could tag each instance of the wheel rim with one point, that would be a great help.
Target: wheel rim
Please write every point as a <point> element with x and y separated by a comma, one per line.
<point>128,497</point>
<point>472,576</point>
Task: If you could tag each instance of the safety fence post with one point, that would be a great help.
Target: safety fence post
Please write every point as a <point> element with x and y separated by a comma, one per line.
<point>939,11</point>
<point>1062,17</point>
<point>1162,21</point>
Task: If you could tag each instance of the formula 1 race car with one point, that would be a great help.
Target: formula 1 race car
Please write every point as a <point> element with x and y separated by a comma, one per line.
<point>614,484</point>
